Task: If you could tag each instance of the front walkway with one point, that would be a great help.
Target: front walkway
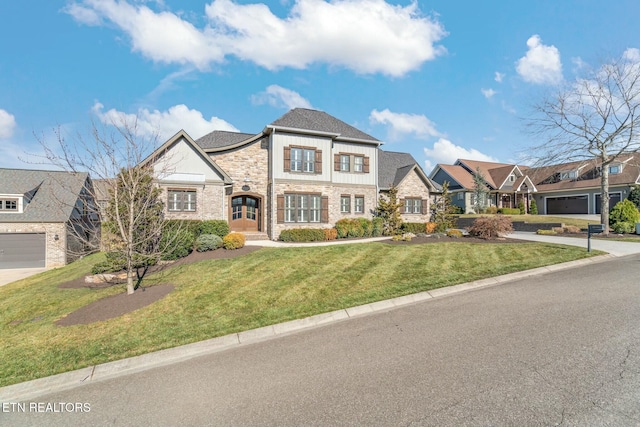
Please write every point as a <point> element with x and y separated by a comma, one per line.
<point>613,247</point>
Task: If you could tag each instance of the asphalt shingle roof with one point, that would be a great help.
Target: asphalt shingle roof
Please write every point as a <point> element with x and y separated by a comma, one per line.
<point>220,138</point>
<point>319,121</point>
<point>50,196</point>
<point>393,167</point>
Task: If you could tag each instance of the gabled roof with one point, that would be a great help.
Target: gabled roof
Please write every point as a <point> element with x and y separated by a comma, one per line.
<point>393,167</point>
<point>49,196</point>
<point>303,119</point>
<point>182,134</point>
<point>459,174</point>
<point>221,138</point>
<point>493,179</point>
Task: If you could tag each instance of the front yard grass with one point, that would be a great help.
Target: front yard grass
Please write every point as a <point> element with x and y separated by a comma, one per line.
<point>219,297</point>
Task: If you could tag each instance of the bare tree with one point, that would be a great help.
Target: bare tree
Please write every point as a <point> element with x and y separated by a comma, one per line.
<point>596,117</point>
<point>131,210</point>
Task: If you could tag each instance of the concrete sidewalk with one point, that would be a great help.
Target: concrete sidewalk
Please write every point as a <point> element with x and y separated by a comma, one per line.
<point>613,247</point>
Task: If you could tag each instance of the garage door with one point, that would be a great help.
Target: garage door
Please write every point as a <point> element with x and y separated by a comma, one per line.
<point>22,250</point>
<point>567,205</point>
<point>613,199</point>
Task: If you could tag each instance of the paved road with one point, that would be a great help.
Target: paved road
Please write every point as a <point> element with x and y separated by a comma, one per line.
<point>557,349</point>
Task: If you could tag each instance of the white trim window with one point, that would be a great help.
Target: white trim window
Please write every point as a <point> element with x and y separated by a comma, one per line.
<point>358,204</point>
<point>181,200</point>
<point>345,163</point>
<point>9,205</point>
<point>615,169</point>
<point>413,206</point>
<point>358,163</point>
<point>302,207</point>
<point>345,204</point>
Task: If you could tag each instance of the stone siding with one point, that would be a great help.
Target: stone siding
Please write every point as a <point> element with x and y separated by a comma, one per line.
<point>333,192</point>
<point>248,167</point>
<point>209,201</point>
<point>413,187</point>
<point>56,252</point>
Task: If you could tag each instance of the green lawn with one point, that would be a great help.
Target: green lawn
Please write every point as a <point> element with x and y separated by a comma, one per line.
<point>218,297</point>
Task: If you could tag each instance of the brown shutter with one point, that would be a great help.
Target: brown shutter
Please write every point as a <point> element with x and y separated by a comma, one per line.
<point>336,162</point>
<point>401,205</point>
<point>318,166</point>
<point>365,167</point>
<point>324,209</point>
<point>280,206</point>
<point>287,159</point>
<point>425,206</point>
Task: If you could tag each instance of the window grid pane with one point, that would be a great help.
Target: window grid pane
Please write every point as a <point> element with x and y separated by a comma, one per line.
<point>309,160</point>
<point>359,205</point>
<point>344,162</point>
<point>296,159</point>
<point>358,163</point>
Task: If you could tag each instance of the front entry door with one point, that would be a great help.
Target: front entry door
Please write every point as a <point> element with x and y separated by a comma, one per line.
<point>245,213</point>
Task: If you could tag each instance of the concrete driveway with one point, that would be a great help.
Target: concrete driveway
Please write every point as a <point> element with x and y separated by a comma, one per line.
<point>12,274</point>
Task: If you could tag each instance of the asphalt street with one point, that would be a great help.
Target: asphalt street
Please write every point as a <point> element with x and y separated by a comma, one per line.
<point>556,349</point>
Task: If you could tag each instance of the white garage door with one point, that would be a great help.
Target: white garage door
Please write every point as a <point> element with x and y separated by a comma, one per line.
<point>22,250</point>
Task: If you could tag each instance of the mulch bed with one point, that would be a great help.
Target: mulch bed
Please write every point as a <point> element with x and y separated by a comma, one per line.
<point>117,305</point>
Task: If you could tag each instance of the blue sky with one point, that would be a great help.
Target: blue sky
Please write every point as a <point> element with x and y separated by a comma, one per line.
<point>440,79</point>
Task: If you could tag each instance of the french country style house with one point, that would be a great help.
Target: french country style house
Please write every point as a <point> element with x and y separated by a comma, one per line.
<point>306,169</point>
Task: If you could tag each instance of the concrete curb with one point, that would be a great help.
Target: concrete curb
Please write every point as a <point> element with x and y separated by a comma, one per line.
<point>68,380</point>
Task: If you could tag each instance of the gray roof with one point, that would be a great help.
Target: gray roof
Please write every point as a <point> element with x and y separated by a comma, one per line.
<point>221,138</point>
<point>50,196</point>
<point>393,167</point>
<point>319,121</point>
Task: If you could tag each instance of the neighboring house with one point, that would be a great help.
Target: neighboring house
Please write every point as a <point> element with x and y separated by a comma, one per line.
<point>506,184</point>
<point>567,188</point>
<point>46,217</point>
<point>306,169</point>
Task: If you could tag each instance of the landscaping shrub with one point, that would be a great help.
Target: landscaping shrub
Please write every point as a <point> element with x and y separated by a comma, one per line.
<point>207,242</point>
<point>491,210</point>
<point>233,241</point>
<point>302,235</point>
<point>623,217</point>
<point>521,208</point>
<point>178,241</point>
<point>330,233</point>
<point>367,226</point>
<point>430,227</point>
<point>509,211</point>
<point>115,261</point>
<point>557,230</point>
<point>571,229</point>
<point>533,208</point>
<point>414,227</point>
<point>454,233</point>
<point>377,225</point>
<point>342,227</point>
<point>546,232</point>
<point>490,227</point>
<point>218,227</point>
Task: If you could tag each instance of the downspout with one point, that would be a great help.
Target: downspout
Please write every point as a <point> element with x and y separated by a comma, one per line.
<point>274,201</point>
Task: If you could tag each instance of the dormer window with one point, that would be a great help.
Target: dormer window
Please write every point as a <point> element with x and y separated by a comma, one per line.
<point>568,175</point>
<point>615,169</point>
<point>9,205</point>
<point>512,178</point>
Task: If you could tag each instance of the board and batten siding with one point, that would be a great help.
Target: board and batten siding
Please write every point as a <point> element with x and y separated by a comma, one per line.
<point>359,178</point>
<point>282,140</point>
<point>182,163</point>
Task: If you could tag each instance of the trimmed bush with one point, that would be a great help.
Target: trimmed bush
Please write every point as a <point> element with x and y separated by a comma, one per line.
<point>624,216</point>
<point>490,227</point>
<point>233,241</point>
<point>179,242</point>
<point>571,229</point>
<point>330,233</point>
<point>354,227</point>
<point>509,211</point>
<point>546,232</point>
<point>207,242</point>
<point>430,227</point>
<point>521,208</point>
<point>218,227</point>
<point>366,225</point>
<point>114,262</point>
<point>377,226</point>
<point>533,207</point>
<point>491,210</point>
<point>414,227</point>
<point>302,235</point>
<point>454,233</point>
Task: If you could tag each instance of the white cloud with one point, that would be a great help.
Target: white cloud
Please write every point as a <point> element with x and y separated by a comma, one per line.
<point>488,93</point>
<point>446,152</point>
<point>280,97</point>
<point>365,36</point>
<point>164,123</point>
<point>400,124</point>
<point>541,64</point>
<point>499,77</point>
<point>632,55</point>
<point>7,124</point>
